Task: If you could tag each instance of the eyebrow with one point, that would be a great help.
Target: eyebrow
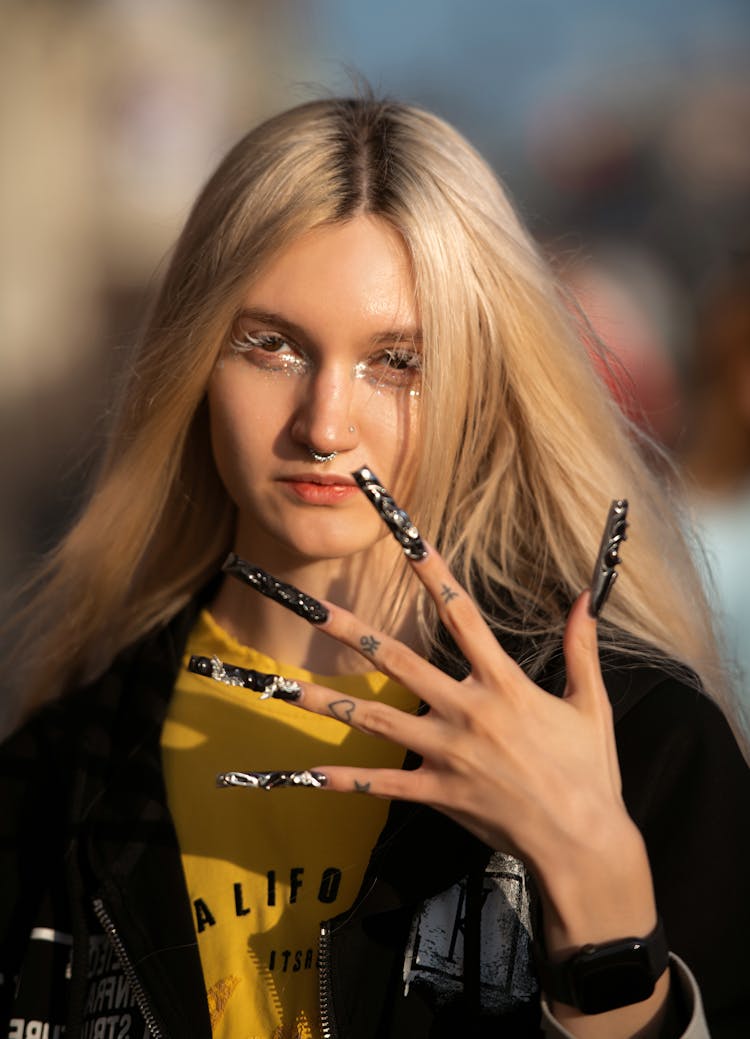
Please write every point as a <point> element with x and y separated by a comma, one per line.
<point>269,317</point>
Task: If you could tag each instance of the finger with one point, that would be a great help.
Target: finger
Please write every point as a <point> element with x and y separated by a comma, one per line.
<point>585,683</point>
<point>396,784</point>
<point>411,731</point>
<point>456,609</point>
<point>463,620</point>
<point>581,651</point>
<point>389,655</point>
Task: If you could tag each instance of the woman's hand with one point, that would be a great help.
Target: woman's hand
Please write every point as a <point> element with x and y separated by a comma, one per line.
<point>518,767</point>
<point>527,772</point>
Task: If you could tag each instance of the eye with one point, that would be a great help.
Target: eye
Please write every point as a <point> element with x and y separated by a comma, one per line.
<point>393,367</point>
<point>402,360</point>
<point>268,350</point>
<point>247,341</point>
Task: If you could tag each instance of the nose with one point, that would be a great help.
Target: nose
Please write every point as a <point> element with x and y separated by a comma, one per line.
<point>323,420</point>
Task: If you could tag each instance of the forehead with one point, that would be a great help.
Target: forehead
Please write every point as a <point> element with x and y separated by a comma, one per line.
<point>357,271</point>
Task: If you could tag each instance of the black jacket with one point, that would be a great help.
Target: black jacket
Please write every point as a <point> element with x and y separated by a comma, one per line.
<point>90,863</point>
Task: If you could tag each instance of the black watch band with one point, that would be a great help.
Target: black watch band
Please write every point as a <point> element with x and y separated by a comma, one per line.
<point>609,975</point>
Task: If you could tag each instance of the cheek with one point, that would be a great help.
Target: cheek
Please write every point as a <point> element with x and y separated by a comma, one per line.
<point>243,426</point>
<point>389,418</point>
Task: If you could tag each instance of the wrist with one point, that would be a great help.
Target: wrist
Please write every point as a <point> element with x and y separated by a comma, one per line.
<point>608,975</point>
<point>596,889</point>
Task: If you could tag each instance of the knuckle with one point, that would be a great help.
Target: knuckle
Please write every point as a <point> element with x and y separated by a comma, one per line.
<point>421,787</point>
<point>391,657</point>
<point>396,786</point>
<point>378,719</point>
<point>460,752</point>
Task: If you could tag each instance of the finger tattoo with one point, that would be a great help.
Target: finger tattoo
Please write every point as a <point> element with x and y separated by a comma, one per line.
<point>342,709</point>
<point>448,594</point>
<point>369,644</point>
<point>361,788</point>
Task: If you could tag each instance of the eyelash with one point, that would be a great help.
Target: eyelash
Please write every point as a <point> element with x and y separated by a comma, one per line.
<point>402,367</point>
<point>259,348</point>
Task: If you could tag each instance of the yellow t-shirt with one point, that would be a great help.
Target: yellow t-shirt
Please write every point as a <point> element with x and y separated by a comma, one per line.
<point>264,868</point>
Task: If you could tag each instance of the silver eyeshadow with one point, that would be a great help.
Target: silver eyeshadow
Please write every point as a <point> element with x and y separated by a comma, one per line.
<point>257,348</point>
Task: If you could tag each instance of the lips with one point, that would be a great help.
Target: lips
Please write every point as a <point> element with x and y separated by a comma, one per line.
<point>324,479</point>
<point>320,488</point>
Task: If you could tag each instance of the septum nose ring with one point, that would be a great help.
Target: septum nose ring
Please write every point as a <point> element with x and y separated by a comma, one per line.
<point>318,457</point>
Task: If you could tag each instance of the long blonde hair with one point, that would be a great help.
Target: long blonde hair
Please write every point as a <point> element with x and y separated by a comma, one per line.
<point>523,449</point>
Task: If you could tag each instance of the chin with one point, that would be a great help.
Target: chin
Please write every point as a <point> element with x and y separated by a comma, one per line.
<point>312,549</point>
<point>310,538</point>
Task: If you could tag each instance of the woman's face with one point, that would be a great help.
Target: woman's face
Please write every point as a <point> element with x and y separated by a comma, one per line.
<point>324,357</point>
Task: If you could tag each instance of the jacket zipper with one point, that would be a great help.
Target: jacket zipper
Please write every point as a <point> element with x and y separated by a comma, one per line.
<point>127,968</point>
<point>327,1027</point>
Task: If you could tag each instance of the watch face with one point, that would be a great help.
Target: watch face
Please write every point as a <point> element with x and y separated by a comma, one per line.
<point>612,978</point>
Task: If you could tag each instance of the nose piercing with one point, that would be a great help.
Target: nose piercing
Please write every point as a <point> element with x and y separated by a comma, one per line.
<point>351,429</point>
<point>318,457</point>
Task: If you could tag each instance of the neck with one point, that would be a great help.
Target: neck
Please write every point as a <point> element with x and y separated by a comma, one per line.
<point>363,584</point>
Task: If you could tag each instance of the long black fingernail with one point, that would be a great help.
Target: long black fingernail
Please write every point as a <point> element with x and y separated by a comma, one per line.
<point>268,686</point>
<point>401,526</point>
<point>271,780</point>
<point>605,574</point>
<point>286,594</point>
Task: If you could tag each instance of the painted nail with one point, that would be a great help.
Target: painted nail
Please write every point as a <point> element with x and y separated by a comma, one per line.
<point>271,780</point>
<point>401,526</point>
<point>268,686</point>
<point>286,594</point>
<point>605,574</point>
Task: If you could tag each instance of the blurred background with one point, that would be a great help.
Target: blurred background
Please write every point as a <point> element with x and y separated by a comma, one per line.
<point>621,129</point>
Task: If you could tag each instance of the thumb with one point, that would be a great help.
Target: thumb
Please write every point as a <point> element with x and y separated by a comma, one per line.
<point>581,651</point>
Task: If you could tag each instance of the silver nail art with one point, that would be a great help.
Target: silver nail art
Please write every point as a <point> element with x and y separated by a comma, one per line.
<point>245,678</point>
<point>271,780</point>
<point>605,574</point>
<point>401,526</point>
<point>304,606</point>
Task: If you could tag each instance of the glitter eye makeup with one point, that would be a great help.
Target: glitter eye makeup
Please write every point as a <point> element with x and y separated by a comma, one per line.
<point>394,368</point>
<point>394,362</point>
<point>270,352</point>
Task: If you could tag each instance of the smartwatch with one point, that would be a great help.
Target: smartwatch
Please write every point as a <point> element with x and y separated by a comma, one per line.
<point>608,975</point>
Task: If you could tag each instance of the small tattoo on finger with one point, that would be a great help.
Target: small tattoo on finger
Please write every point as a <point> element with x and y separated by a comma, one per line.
<point>342,709</point>
<point>361,788</point>
<point>369,644</point>
<point>447,594</point>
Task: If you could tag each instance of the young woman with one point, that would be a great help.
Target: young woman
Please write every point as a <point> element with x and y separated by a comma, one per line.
<point>209,826</point>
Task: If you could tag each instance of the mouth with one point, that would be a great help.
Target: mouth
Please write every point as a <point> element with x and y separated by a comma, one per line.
<point>320,488</point>
<point>322,479</point>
